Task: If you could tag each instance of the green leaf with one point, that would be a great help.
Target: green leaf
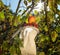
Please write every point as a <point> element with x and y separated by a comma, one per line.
<point>29,0</point>
<point>38,19</point>
<point>1,4</point>
<point>42,38</point>
<point>46,28</point>
<point>12,50</point>
<point>58,2</point>
<point>47,38</point>
<point>15,23</point>
<point>2,17</point>
<point>41,53</point>
<point>35,12</point>
<point>54,36</point>
<point>5,45</point>
<point>18,19</point>
<point>58,29</point>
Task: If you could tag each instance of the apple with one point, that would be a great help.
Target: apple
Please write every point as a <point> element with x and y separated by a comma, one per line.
<point>31,19</point>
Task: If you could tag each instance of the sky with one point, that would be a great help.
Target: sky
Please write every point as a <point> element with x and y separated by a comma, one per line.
<point>14,4</point>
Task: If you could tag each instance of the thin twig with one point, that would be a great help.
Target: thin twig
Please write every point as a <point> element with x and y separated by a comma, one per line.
<point>31,7</point>
<point>27,9</point>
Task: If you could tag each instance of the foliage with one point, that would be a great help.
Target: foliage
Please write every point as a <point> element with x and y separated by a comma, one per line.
<point>47,41</point>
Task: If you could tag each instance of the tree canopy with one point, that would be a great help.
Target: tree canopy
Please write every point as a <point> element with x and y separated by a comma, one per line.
<point>47,41</point>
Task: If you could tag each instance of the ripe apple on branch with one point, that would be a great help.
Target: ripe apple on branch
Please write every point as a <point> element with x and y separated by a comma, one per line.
<point>31,22</point>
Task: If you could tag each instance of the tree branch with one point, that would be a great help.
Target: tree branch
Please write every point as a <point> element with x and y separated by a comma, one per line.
<point>46,18</point>
<point>31,7</point>
<point>17,32</point>
<point>16,10</point>
<point>18,6</point>
<point>26,9</point>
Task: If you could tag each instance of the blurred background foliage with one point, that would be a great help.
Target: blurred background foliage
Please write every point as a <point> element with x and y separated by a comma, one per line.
<point>47,41</point>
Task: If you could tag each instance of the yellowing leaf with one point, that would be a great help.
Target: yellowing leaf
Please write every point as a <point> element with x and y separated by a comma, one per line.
<point>54,35</point>
<point>26,20</point>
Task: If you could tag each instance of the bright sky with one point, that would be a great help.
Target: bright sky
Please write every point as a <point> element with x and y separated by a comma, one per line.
<point>40,6</point>
<point>15,2</point>
<point>12,2</point>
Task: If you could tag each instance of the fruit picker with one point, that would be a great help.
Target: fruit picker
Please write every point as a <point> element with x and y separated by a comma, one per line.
<point>28,34</point>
